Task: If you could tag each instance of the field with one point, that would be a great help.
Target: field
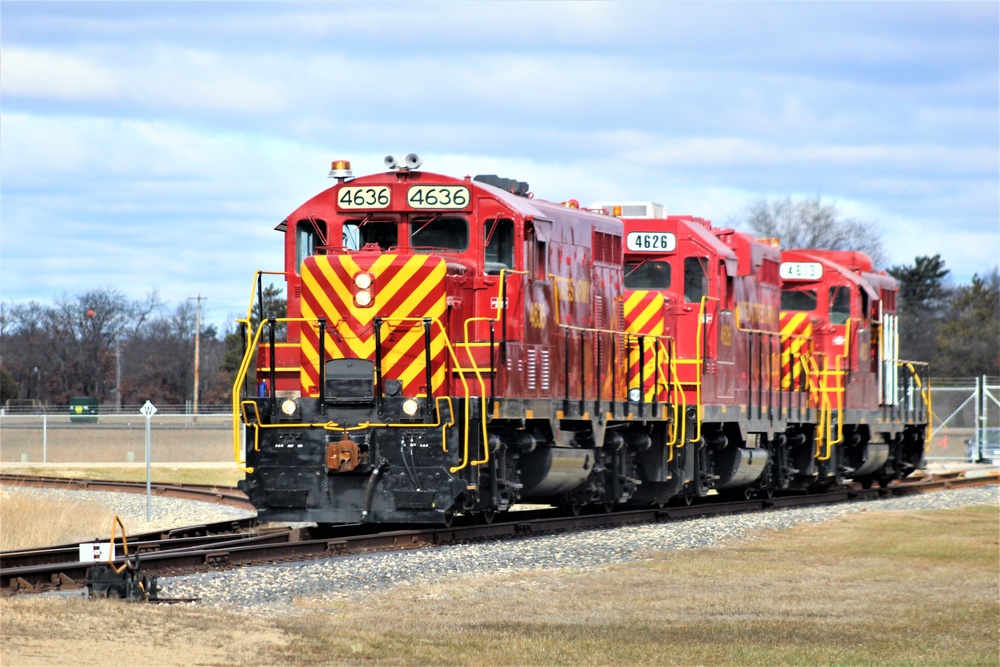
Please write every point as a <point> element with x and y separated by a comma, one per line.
<point>925,590</point>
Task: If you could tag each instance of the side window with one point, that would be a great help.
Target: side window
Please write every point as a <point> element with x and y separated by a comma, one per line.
<point>695,279</point>
<point>305,241</point>
<point>840,304</point>
<point>498,252</point>
<point>541,261</point>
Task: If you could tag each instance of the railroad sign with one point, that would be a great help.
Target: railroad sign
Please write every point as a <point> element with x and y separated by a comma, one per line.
<point>148,410</point>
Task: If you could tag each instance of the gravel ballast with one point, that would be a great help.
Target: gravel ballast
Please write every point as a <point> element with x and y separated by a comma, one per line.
<point>272,589</point>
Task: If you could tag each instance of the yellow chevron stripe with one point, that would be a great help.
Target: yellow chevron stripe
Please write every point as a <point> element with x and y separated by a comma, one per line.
<point>793,323</point>
<point>643,322</point>
<point>638,315</point>
<point>633,300</point>
<point>417,367</point>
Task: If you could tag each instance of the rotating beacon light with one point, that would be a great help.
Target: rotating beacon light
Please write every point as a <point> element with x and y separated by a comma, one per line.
<point>341,170</point>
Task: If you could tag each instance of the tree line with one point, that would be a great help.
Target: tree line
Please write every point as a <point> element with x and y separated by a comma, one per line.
<point>102,345</point>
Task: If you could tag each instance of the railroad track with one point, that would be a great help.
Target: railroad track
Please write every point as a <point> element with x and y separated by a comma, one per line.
<point>224,495</point>
<point>238,544</point>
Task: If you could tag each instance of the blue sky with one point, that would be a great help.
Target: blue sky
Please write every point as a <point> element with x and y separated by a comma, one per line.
<point>156,145</point>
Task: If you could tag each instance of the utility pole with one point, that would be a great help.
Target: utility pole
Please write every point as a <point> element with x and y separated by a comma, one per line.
<point>197,345</point>
<point>118,372</point>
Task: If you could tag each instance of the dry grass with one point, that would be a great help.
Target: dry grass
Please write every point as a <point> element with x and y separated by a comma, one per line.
<point>27,521</point>
<point>870,589</point>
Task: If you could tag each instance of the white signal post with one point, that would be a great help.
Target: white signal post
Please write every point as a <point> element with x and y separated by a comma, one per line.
<point>147,411</point>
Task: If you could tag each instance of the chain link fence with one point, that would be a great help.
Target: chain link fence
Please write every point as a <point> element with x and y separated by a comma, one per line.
<point>966,419</point>
<point>109,435</point>
<point>965,427</point>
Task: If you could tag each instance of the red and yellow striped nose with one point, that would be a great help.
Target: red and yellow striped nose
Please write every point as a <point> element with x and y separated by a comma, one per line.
<point>399,289</point>
<point>796,344</point>
<point>643,312</point>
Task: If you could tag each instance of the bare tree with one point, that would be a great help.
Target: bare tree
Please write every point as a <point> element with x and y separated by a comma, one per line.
<point>812,223</point>
<point>54,352</point>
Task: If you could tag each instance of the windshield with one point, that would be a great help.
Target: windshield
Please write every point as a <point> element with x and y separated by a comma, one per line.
<point>798,300</point>
<point>647,275</point>
<point>442,233</point>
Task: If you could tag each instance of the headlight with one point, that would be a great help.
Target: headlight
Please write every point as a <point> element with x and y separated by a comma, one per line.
<point>288,407</point>
<point>410,407</point>
<point>363,280</point>
<point>363,298</point>
<point>635,394</point>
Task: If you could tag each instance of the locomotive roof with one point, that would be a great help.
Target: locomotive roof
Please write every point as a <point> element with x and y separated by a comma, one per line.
<point>537,210</point>
<point>842,271</point>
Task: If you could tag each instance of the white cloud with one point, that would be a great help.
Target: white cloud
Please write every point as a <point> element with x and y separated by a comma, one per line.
<point>161,144</point>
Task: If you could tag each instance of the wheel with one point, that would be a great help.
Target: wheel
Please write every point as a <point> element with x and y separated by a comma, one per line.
<point>769,492</point>
<point>608,506</point>
<point>866,483</point>
<point>449,518</point>
<point>688,498</point>
<point>487,516</point>
<point>747,493</point>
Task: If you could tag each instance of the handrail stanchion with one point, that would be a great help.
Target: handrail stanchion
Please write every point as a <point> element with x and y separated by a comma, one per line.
<point>272,362</point>
<point>322,366</point>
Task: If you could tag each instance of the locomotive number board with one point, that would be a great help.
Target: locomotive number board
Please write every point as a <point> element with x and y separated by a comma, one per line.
<point>438,196</point>
<point>651,242</point>
<point>364,196</point>
<point>800,271</point>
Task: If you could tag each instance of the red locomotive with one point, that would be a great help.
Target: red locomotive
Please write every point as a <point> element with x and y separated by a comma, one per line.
<point>840,343</point>
<point>456,346</point>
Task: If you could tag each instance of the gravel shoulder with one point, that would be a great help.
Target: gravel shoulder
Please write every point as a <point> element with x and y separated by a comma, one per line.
<point>282,589</point>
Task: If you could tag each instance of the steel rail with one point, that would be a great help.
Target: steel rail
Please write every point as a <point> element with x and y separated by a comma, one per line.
<point>223,495</point>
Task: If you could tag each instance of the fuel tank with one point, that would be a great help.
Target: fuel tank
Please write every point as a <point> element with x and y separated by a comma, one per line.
<point>551,471</point>
<point>738,467</point>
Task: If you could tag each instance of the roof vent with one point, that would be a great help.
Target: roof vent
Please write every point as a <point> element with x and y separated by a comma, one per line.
<point>515,187</point>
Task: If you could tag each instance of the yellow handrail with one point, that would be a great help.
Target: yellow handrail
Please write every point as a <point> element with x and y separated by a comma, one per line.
<point>925,394</point>
<point>612,332</point>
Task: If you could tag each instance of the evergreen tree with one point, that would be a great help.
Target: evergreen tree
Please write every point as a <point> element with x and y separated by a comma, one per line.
<point>969,338</point>
<point>922,304</point>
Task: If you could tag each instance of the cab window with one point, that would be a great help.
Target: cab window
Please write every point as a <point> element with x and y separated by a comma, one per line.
<point>840,304</point>
<point>359,233</point>
<point>439,233</point>
<point>647,275</point>
<point>695,279</point>
<point>798,300</point>
<point>498,253</point>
